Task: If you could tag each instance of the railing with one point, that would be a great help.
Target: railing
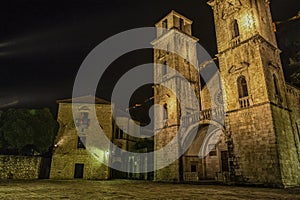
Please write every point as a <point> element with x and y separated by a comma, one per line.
<point>222,176</point>
<point>244,102</point>
<point>235,41</point>
<point>191,176</point>
<point>216,114</point>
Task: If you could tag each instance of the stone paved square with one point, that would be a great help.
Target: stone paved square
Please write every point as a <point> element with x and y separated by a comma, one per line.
<point>127,189</point>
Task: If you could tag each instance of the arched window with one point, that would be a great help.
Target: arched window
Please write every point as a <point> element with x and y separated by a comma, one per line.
<point>236,31</point>
<point>121,134</point>
<point>275,80</point>
<point>165,112</point>
<point>164,68</point>
<point>117,133</point>
<point>181,24</point>
<point>242,87</point>
<point>165,24</point>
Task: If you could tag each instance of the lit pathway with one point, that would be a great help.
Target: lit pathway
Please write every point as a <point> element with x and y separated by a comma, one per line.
<point>125,189</point>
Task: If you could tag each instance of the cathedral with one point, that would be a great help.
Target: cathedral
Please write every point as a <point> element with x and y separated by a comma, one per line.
<point>257,143</point>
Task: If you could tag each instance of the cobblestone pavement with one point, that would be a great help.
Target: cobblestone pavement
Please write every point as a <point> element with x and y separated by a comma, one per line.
<point>125,189</point>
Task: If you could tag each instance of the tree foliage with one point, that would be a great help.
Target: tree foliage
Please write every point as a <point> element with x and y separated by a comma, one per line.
<point>27,130</point>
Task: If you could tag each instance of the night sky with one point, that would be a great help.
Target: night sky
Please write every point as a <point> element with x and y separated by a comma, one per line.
<point>43,42</point>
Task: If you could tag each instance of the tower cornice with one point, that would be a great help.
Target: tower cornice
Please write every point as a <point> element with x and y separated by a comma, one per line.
<point>175,13</point>
<point>173,30</point>
<point>253,38</point>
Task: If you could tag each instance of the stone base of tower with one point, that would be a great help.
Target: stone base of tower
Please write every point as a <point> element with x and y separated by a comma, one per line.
<point>288,147</point>
<point>170,173</point>
<point>263,152</point>
<point>167,164</point>
<point>255,149</point>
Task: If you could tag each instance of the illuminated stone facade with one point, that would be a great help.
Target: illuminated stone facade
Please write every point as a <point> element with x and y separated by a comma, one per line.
<point>260,142</point>
<point>70,157</point>
<point>80,152</point>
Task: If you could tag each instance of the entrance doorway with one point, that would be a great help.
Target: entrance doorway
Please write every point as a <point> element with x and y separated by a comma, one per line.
<point>224,160</point>
<point>78,173</point>
<point>213,164</point>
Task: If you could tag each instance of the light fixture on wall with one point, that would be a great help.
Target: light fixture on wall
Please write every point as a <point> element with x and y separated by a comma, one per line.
<point>106,153</point>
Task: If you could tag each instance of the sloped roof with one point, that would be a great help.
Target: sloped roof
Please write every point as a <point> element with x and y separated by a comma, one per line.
<point>84,99</point>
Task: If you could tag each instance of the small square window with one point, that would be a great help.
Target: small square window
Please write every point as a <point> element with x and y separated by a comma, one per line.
<point>164,69</point>
<point>193,168</point>
<point>213,153</point>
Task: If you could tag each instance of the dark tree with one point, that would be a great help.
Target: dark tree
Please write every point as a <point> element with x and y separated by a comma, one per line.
<point>27,131</point>
<point>45,129</point>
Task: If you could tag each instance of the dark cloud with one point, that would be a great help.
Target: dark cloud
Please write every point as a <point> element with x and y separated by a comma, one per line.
<point>42,43</point>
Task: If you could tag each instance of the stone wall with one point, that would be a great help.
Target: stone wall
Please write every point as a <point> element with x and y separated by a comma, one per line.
<point>63,166</point>
<point>293,99</point>
<point>255,146</point>
<point>288,147</point>
<point>170,172</point>
<point>19,167</point>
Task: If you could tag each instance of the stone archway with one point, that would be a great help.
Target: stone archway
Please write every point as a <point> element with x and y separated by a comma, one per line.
<point>207,156</point>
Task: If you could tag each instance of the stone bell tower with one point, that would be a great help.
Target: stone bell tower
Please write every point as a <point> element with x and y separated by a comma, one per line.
<point>258,122</point>
<point>174,49</point>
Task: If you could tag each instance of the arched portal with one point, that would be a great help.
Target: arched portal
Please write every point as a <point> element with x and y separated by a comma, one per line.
<point>207,156</point>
